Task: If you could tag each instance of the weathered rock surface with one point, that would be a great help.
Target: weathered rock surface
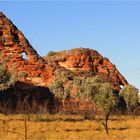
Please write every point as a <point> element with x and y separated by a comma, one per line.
<point>80,61</point>
<point>18,53</point>
<point>87,62</point>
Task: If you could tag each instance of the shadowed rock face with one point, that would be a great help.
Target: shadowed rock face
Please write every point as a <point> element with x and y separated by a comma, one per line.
<point>26,98</point>
<point>13,47</point>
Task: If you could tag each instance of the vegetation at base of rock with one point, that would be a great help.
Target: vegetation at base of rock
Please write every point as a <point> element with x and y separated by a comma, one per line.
<point>101,94</point>
<point>106,101</point>
<point>130,94</point>
<point>95,91</point>
<point>6,78</point>
<point>86,87</point>
<point>57,86</point>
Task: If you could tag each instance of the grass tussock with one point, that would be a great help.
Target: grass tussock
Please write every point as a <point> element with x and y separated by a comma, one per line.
<point>54,127</point>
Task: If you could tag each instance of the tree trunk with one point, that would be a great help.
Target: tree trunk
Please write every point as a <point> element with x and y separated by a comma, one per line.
<point>132,113</point>
<point>105,123</point>
<point>63,105</point>
<point>25,127</point>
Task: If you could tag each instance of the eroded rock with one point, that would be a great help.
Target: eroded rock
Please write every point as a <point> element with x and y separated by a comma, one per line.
<point>14,45</point>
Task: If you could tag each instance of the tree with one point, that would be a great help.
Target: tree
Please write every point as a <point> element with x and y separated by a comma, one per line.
<point>105,100</point>
<point>86,88</point>
<point>6,78</point>
<point>99,93</point>
<point>58,87</point>
<point>130,94</point>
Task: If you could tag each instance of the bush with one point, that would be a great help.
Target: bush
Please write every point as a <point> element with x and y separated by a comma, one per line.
<point>23,74</point>
<point>51,53</point>
<point>6,78</point>
<point>130,94</point>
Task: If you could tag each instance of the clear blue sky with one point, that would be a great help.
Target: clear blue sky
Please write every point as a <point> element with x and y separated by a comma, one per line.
<point>111,28</point>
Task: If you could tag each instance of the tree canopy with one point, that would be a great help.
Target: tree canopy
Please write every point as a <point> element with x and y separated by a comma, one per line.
<point>130,94</point>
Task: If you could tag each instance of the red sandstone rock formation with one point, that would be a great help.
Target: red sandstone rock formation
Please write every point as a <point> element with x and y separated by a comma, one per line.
<point>13,44</point>
<point>88,62</point>
<point>13,47</point>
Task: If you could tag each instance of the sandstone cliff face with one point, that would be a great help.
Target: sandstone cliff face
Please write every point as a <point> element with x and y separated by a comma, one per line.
<point>81,61</point>
<point>17,52</point>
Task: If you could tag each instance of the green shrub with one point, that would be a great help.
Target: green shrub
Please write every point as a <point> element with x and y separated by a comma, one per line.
<point>130,94</point>
<point>23,74</point>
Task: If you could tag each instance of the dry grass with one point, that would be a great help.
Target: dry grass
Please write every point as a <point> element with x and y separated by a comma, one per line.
<point>54,127</point>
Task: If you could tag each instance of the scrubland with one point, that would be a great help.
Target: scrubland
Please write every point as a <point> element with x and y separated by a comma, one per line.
<point>67,127</point>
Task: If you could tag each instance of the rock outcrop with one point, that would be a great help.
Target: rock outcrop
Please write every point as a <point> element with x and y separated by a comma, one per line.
<point>87,63</point>
<point>40,72</point>
<point>19,54</point>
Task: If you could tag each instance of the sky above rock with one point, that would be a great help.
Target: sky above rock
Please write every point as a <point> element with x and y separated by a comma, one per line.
<point>110,27</point>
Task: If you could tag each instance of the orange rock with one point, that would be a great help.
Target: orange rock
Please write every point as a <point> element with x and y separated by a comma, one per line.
<point>87,60</point>
<point>80,61</point>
